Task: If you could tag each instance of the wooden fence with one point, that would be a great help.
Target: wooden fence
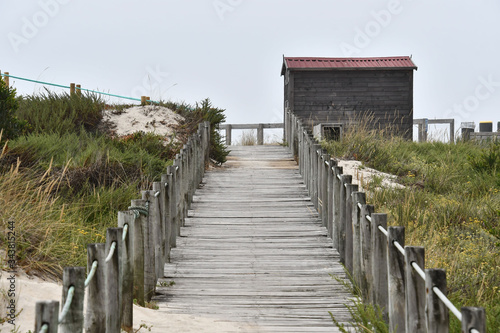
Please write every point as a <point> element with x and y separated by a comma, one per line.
<point>388,273</point>
<point>259,127</point>
<point>128,265</point>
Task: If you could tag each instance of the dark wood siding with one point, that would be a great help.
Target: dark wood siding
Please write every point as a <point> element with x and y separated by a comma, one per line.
<point>345,96</point>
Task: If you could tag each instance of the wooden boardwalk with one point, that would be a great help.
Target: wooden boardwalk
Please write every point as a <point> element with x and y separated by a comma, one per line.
<point>253,250</point>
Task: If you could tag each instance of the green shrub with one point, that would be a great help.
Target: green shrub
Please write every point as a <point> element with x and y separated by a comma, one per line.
<point>61,113</point>
<point>203,111</point>
<point>10,126</point>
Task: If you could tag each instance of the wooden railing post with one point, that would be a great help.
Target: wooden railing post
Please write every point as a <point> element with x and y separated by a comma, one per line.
<point>228,134</point>
<point>396,280</point>
<point>79,90</point>
<point>73,320</point>
<point>436,313</point>
<point>7,79</point>
<point>47,313</point>
<point>149,249</point>
<point>127,218</point>
<point>473,318</point>
<point>358,198</point>
<point>337,190</point>
<point>72,89</point>
<point>414,290</point>
<point>165,213</point>
<point>380,293</point>
<point>315,178</point>
<point>330,195</point>
<point>178,193</point>
<point>157,226</point>
<point>348,226</point>
<point>344,180</point>
<point>207,142</point>
<point>323,186</point>
<point>138,251</point>
<point>172,198</point>
<point>366,255</point>
<point>114,277</point>
<point>260,134</point>
<point>95,317</point>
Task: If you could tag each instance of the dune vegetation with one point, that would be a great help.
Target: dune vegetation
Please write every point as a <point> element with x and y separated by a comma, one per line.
<point>450,205</point>
<point>63,178</point>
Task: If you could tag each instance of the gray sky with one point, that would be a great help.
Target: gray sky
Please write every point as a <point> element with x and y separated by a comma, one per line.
<point>231,50</point>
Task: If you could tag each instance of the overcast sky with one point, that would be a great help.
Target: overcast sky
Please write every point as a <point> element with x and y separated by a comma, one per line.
<point>231,50</point>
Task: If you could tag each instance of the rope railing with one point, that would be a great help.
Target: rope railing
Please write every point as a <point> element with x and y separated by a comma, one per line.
<point>77,88</point>
<point>125,231</point>
<point>67,304</point>
<point>91,274</point>
<point>421,273</point>
<point>111,252</point>
<point>44,329</point>
<point>384,268</point>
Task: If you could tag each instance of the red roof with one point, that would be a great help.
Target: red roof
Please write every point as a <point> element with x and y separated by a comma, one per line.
<point>308,63</point>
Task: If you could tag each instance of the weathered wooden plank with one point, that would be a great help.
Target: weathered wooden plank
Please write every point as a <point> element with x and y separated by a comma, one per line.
<point>254,250</point>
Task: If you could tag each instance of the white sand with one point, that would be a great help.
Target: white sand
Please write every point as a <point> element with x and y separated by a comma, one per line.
<point>150,118</point>
<point>362,175</point>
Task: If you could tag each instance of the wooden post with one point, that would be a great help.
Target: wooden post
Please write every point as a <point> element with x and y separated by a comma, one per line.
<point>452,131</point>
<point>396,280</point>
<point>366,254</point>
<point>337,184</point>
<point>414,290</point>
<point>344,180</point>
<point>127,218</point>
<point>207,137</point>
<point>47,313</point>
<point>473,318</point>
<point>143,100</point>
<point>357,198</point>
<point>177,194</point>
<point>350,189</point>
<point>165,214</point>
<point>380,295</point>
<point>229,130</point>
<point>316,155</point>
<point>331,181</point>
<point>149,252</point>
<point>138,251</point>
<point>148,100</point>
<point>260,134</point>
<point>95,318</point>
<point>72,89</point>
<point>113,284</point>
<point>73,321</point>
<point>173,204</point>
<point>79,90</point>
<point>7,79</point>
<point>155,221</point>
<point>436,313</point>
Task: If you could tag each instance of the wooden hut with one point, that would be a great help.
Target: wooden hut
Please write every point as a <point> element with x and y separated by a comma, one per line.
<point>342,91</point>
